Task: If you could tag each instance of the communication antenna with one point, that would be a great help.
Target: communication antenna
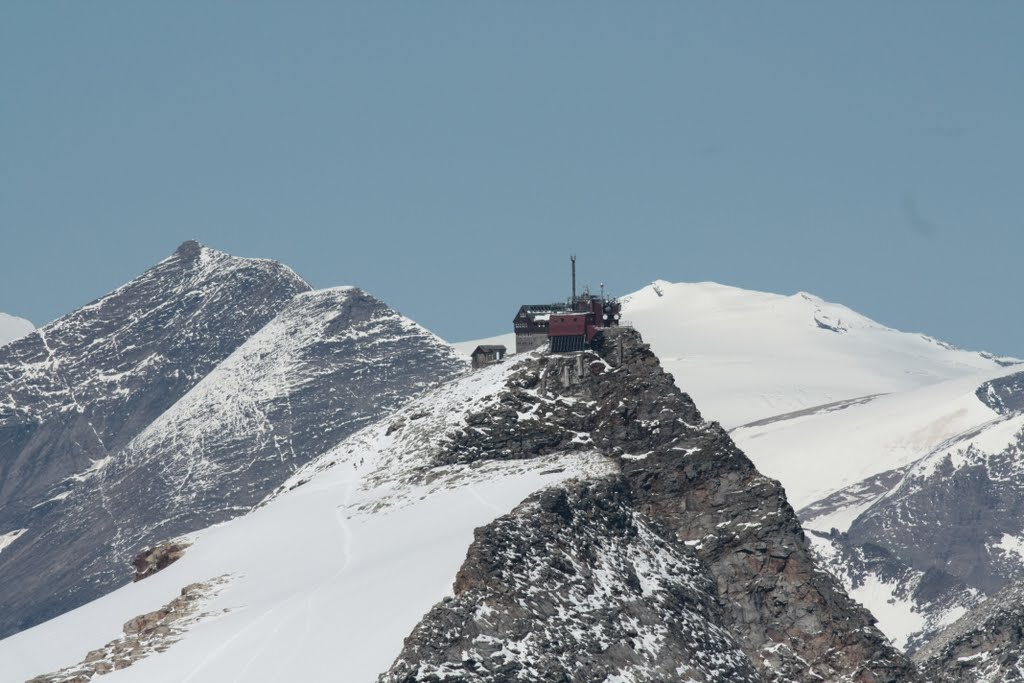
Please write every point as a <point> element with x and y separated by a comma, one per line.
<point>573,260</point>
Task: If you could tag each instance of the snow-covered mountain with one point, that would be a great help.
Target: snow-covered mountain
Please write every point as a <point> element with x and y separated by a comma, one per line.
<point>288,387</point>
<point>905,446</point>
<point>926,541</point>
<point>12,328</point>
<point>618,536</point>
<point>747,356</point>
<point>80,387</point>
<point>848,414</point>
<point>786,374</point>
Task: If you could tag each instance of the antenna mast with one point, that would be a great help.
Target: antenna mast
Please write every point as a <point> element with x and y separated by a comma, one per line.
<point>573,260</point>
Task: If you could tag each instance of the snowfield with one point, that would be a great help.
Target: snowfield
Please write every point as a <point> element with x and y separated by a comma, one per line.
<point>817,454</point>
<point>331,573</point>
<point>12,328</point>
<point>746,356</point>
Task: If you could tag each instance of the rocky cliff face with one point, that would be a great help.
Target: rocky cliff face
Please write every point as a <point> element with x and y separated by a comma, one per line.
<point>985,646</point>
<point>684,491</point>
<point>924,601</point>
<point>329,362</point>
<point>576,585</point>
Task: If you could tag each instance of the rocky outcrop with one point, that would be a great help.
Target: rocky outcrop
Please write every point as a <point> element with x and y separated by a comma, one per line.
<point>793,621</point>
<point>152,560</point>
<point>1004,395</point>
<point>930,540</point>
<point>144,635</point>
<point>985,646</point>
<point>575,585</point>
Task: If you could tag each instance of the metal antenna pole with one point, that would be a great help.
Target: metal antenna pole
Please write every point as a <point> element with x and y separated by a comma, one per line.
<point>573,259</point>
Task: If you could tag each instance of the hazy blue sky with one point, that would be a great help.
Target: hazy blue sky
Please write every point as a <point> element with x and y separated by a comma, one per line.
<point>447,156</point>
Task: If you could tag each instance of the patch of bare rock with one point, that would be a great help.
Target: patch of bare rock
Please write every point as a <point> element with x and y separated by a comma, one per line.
<point>143,636</point>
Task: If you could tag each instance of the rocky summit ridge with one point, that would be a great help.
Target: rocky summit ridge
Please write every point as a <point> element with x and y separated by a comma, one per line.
<point>685,563</point>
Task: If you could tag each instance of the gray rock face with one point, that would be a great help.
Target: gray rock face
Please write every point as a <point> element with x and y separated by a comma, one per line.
<point>949,518</point>
<point>328,363</point>
<point>932,593</point>
<point>81,387</point>
<point>576,585</point>
<point>678,472</point>
<point>985,646</point>
<point>945,531</point>
<point>1004,395</point>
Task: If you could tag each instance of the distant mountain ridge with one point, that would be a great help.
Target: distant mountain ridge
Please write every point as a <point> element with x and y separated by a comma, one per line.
<point>179,400</point>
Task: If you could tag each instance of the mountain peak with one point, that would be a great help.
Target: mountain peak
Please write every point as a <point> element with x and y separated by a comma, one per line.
<point>189,249</point>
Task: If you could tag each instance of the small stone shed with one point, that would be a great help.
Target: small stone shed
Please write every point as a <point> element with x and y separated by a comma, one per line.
<point>487,354</point>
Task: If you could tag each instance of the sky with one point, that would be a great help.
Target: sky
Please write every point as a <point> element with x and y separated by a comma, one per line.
<point>449,156</point>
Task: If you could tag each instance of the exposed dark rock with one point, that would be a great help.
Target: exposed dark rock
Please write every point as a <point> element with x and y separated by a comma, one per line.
<point>157,558</point>
<point>985,646</point>
<point>79,389</point>
<point>1004,395</point>
<point>950,518</point>
<point>576,585</point>
<point>681,473</point>
<point>949,525</point>
<point>933,594</point>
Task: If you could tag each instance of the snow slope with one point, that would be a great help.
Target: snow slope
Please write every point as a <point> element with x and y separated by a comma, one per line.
<point>329,575</point>
<point>12,328</point>
<point>745,356</point>
<point>819,453</point>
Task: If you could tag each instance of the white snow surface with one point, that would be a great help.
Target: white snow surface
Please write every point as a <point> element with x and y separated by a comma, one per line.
<point>331,573</point>
<point>12,328</point>
<point>745,356</point>
<point>816,455</point>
